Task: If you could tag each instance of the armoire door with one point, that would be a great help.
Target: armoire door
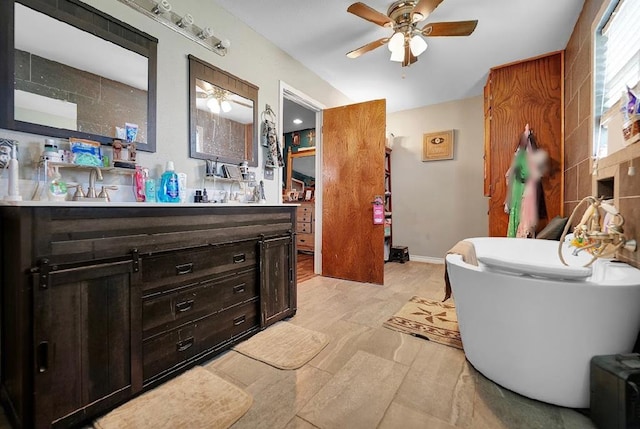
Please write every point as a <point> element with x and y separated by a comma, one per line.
<point>353,151</point>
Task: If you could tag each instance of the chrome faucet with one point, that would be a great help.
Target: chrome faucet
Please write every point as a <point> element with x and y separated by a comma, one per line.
<point>94,175</point>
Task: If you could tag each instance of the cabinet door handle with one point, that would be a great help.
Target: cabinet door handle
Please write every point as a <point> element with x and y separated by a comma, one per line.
<point>239,288</point>
<point>239,258</point>
<point>183,306</point>
<point>184,269</point>
<point>182,346</point>
<point>239,320</point>
<point>42,354</point>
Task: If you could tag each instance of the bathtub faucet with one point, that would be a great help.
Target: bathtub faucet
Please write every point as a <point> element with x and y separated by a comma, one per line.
<point>588,234</point>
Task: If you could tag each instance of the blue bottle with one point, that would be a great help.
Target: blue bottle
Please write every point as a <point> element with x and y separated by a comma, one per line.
<point>169,185</point>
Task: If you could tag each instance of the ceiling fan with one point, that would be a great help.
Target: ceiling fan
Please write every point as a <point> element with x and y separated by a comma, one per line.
<point>403,17</point>
<point>218,99</point>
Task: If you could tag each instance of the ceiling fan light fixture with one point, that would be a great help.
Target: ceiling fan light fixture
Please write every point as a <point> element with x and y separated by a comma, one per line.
<point>417,45</point>
<point>225,106</point>
<point>397,55</point>
<point>213,105</point>
<point>396,42</point>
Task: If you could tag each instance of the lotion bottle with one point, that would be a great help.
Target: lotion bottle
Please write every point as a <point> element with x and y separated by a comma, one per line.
<point>169,191</point>
<point>13,193</point>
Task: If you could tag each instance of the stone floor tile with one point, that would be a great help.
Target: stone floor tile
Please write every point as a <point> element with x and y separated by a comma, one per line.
<point>399,416</point>
<point>358,395</point>
<point>439,383</point>
<point>278,397</point>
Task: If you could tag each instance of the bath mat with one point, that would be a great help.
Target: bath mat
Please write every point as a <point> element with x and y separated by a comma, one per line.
<point>195,399</point>
<point>284,345</point>
<point>433,320</point>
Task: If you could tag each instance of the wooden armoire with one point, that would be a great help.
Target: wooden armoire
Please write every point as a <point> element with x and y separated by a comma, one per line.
<point>530,92</point>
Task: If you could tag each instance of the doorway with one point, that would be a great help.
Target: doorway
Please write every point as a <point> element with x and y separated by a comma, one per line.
<point>300,179</point>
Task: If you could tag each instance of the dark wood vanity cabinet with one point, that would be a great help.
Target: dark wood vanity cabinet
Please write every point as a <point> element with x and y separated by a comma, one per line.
<point>99,304</point>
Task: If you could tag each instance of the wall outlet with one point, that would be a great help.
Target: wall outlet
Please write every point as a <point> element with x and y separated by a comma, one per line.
<point>268,173</point>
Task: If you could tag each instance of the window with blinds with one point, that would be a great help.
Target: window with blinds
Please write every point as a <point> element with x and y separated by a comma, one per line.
<point>621,50</point>
<point>617,63</point>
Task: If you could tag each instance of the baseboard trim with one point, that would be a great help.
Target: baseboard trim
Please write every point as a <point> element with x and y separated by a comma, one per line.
<point>427,259</point>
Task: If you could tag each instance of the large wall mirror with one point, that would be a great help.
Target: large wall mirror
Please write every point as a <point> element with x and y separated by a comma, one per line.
<point>301,171</point>
<point>70,70</point>
<point>223,115</point>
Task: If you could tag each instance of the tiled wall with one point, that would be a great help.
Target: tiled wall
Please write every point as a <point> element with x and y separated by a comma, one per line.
<point>102,103</point>
<point>579,181</point>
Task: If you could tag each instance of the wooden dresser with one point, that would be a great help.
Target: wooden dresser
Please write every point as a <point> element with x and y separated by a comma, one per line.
<point>102,303</point>
<point>305,226</point>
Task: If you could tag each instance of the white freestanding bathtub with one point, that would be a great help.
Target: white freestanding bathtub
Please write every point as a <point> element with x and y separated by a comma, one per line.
<point>535,334</point>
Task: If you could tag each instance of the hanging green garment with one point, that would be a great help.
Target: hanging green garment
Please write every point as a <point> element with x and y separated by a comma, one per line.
<point>517,178</point>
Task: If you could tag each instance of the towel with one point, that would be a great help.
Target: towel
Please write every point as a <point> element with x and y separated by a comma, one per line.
<point>468,253</point>
<point>270,140</point>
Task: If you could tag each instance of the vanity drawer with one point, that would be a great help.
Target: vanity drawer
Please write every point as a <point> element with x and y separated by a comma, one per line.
<point>177,307</point>
<point>182,266</point>
<point>167,350</point>
<point>305,241</point>
<point>304,209</point>
<point>304,227</point>
<point>305,217</point>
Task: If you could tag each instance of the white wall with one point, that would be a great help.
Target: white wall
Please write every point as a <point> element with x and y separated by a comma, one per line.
<point>251,58</point>
<point>437,203</point>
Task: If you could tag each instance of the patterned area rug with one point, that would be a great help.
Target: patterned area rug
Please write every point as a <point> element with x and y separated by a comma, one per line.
<point>195,399</point>
<point>433,320</point>
<point>284,345</point>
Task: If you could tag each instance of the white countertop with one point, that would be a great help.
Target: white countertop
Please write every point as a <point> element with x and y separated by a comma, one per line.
<point>131,204</point>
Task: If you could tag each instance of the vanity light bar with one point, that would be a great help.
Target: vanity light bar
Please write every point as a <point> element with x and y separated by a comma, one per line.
<point>162,12</point>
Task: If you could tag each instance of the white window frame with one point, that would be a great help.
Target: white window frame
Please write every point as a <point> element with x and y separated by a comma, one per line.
<point>607,113</point>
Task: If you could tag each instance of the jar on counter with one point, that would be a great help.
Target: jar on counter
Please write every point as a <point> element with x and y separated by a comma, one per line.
<point>50,152</point>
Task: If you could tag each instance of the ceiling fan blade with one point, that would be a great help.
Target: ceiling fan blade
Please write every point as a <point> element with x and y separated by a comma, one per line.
<point>370,14</point>
<point>409,58</point>
<point>424,8</point>
<point>368,47</point>
<point>458,28</point>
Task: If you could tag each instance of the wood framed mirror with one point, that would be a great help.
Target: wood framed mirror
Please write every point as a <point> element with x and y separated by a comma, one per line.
<point>301,171</point>
<point>223,119</point>
<point>70,70</point>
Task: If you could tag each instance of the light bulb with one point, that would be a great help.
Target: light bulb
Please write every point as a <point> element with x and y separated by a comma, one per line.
<point>396,42</point>
<point>417,45</point>
<point>225,43</point>
<point>213,105</point>
<point>225,106</point>
<point>397,55</point>
<point>162,7</point>
<point>205,33</point>
<point>185,21</point>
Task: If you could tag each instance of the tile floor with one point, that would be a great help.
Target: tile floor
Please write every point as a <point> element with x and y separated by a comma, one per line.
<point>372,377</point>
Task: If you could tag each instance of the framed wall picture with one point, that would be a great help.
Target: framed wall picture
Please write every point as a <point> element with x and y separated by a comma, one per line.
<point>437,146</point>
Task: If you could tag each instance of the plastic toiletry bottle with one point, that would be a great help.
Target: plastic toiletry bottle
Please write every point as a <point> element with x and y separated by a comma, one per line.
<point>169,191</point>
<point>149,187</point>
<point>13,193</point>
<point>139,185</point>
<point>182,187</point>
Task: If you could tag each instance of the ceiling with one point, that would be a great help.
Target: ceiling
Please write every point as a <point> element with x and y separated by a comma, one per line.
<point>320,33</point>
